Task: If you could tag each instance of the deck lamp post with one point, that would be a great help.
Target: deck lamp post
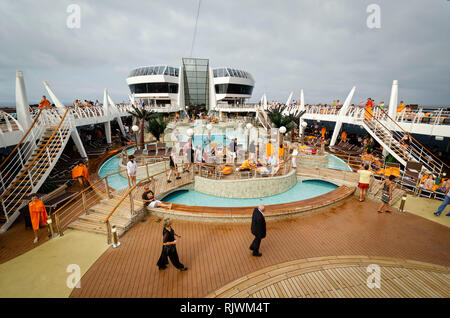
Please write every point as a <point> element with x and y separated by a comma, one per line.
<point>115,237</point>
<point>248,126</point>
<point>190,133</point>
<point>304,125</point>
<point>209,127</point>
<point>135,129</point>
<point>282,131</point>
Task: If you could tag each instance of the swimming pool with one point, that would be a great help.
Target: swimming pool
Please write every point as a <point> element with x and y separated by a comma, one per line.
<point>110,166</point>
<point>337,163</point>
<point>300,191</point>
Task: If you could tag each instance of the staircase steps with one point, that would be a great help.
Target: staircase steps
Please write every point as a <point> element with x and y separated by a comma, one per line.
<point>95,217</point>
<point>36,164</point>
<point>87,226</point>
<point>122,210</point>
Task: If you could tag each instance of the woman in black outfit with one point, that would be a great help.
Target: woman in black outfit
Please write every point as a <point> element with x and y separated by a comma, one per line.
<point>169,249</point>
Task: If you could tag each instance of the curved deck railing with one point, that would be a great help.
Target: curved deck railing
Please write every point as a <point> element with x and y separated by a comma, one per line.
<point>8,123</point>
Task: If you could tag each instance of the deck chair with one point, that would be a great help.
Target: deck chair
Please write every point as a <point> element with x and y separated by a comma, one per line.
<point>151,150</point>
<point>161,148</point>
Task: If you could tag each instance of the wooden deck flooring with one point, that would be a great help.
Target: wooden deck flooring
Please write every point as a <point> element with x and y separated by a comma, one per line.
<point>218,253</point>
<point>342,277</point>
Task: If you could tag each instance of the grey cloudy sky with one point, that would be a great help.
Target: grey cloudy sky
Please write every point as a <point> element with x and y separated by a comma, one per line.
<point>324,47</point>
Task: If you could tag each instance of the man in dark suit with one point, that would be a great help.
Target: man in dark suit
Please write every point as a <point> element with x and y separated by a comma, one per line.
<point>258,229</point>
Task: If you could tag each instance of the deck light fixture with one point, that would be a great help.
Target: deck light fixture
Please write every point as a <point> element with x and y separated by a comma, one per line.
<point>116,242</point>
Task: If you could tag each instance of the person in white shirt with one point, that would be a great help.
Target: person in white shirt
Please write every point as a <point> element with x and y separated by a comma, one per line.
<point>272,164</point>
<point>132,170</point>
<point>294,156</point>
<point>364,182</point>
<point>198,154</point>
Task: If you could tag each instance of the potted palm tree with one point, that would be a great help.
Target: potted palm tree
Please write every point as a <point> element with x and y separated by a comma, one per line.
<point>278,119</point>
<point>156,125</point>
<point>141,115</point>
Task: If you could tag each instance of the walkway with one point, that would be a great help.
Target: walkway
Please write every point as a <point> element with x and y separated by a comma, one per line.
<point>42,272</point>
<point>342,277</point>
<point>217,253</point>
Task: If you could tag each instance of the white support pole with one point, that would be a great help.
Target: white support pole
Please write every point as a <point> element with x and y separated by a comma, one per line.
<point>107,112</point>
<point>302,108</point>
<point>289,98</point>
<point>212,91</point>
<point>77,140</point>
<point>53,96</point>
<point>302,100</point>
<point>105,102</point>
<point>22,106</point>
<point>341,114</point>
<point>108,132</point>
<point>393,101</point>
<point>113,108</point>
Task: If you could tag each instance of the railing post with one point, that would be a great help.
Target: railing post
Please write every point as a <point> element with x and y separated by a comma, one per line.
<point>107,188</point>
<point>58,225</point>
<point>108,232</point>
<point>115,238</point>
<point>131,203</point>
<point>146,168</point>
<point>50,225</point>
<point>83,195</point>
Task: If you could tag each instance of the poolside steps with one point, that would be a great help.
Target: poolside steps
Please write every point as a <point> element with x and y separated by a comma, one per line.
<point>122,218</point>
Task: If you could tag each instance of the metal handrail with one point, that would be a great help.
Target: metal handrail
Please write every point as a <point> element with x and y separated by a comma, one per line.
<point>91,187</point>
<point>37,156</point>
<point>21,140</point>
<point>134,187</point>
<point>8,118</point>
<point>405,132</point>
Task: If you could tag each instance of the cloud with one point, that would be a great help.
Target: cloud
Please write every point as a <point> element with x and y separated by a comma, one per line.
<point>323,47</point>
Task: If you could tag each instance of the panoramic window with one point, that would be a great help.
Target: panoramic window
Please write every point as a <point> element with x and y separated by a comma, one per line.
<point>233,89</point>
<point>154,88</point>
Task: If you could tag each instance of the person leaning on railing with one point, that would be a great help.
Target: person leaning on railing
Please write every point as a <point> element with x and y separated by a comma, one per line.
<point>80,173</point>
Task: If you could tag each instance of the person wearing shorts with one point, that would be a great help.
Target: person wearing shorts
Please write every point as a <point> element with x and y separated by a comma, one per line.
<point>386,195</point>
<point>364,182</point>
<point>173,166</point>
<point>148,197</point>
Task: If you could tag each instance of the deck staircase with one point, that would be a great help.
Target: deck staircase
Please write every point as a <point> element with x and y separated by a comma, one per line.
<point>31,161</point>
<point>390,140</point>
<point>93,221</point>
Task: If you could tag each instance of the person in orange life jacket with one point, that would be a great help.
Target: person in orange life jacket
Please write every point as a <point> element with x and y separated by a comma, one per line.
<point>38,214</point>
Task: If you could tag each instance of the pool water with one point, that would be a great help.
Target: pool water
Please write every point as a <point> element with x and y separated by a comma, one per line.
<point>337,163</point>
<point>300,191</point>
<point>118,182</point>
